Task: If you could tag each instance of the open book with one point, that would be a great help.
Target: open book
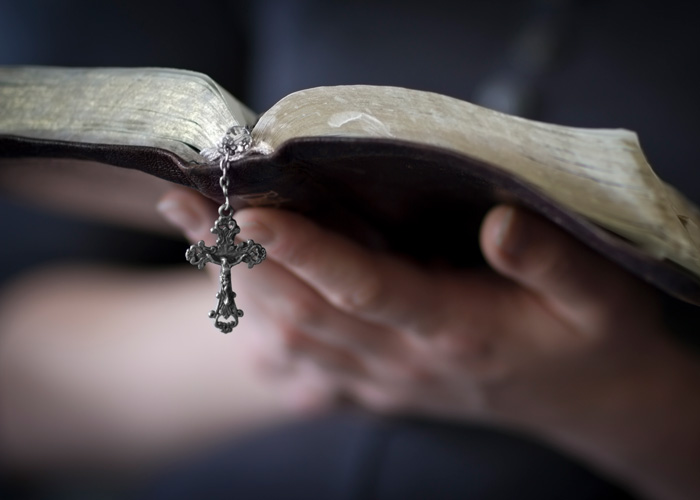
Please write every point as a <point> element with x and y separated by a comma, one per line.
<point>409,170</point>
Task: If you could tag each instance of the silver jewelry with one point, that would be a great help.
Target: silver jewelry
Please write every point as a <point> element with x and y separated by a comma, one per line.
<point>226,252</point>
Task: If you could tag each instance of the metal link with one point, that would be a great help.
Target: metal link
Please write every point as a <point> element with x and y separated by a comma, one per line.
<point>235,143</point>
<point>224,183</point>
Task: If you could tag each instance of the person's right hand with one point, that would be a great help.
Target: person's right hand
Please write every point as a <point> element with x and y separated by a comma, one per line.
<point>548,333</point>
<point>554,340</point>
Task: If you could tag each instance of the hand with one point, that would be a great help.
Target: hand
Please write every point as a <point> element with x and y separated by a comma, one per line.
<point>553,331</point>
<point>554,340</point>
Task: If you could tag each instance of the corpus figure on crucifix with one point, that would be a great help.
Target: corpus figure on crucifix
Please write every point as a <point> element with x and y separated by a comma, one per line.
<point>227,254</point>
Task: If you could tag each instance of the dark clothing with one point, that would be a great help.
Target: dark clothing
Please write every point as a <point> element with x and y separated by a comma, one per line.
<point>354,457</point>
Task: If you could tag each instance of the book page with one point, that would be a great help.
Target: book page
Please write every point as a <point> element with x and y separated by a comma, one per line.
<point>601,174</point>
<point>181,111</point>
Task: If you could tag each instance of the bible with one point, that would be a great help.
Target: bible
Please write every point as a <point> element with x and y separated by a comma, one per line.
<point>403,170</point>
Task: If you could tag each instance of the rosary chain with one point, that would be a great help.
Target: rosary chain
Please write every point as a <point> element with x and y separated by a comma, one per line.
<point>235,143</point>
<point>224,209</point>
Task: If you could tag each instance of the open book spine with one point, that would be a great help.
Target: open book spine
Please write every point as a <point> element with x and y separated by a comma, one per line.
<point>368,189</point>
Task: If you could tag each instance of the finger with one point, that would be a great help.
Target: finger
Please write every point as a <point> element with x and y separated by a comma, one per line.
<point>332,360</point>
<point>192,214</point>
<point>286,302</point>
<point>578,284</point>
<point>283,297</point>
<point>309,325</point>
<point>361,283</point>
<point>308,390</point>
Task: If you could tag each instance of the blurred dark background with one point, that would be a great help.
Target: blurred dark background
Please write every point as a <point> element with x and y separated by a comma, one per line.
<point>614,63</point>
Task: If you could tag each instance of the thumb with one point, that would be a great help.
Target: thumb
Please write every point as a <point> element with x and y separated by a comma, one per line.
<point>577,284</point>
<point>192,214</point>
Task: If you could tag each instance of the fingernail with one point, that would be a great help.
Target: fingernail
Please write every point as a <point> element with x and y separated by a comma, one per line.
<point>181,215</point>
<point>510,236</point>
<point>256,232</point>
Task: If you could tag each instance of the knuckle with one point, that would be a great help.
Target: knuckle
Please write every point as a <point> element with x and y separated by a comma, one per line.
<point>412,374</point>
<point>471,356</point>
<point>365,296</point>
<point>298,251</point>
<point>462,346</point>
<point>297,255</point>
<point>304,311</point>
<point>292,339</point>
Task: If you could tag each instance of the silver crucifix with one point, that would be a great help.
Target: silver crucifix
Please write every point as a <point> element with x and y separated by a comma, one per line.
<point>227,254</point>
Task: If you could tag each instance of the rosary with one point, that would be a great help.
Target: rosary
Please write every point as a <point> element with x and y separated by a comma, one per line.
<point>226,252</point>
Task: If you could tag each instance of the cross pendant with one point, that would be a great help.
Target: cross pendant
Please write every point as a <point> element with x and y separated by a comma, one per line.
<point>227,254</point>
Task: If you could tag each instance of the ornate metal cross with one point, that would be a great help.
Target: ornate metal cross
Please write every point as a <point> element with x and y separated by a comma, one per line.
<point>227,254</point>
